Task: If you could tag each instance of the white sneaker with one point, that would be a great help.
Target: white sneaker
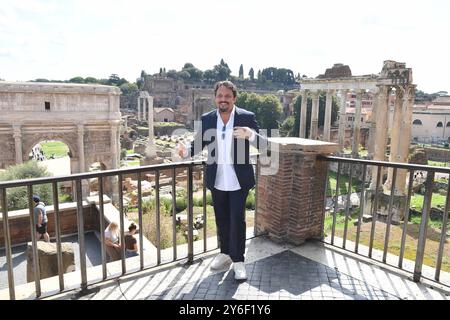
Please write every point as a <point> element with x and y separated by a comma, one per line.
<point>239,271</point>
<point>221,261</point>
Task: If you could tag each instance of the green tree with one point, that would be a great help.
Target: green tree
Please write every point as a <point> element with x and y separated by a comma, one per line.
<point>173,74</point>
<point>279,75</point>
<point>194,73</point>
<point>183,75</point>
<point>77,80</point>
<point>270,112</point>
<point>287,127</point>
<point>267,108</point>
<point>241,72</point>
<point>40,80</point>
<point>90,80</point>
<point>249,101</point>
<point>210,75</point>
<point>17,197</point>
<point>128,88</point>
<point>251,74</point>
<point>222,71</point>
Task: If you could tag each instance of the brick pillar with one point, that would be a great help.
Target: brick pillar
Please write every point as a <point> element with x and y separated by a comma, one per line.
<point>291,201</point>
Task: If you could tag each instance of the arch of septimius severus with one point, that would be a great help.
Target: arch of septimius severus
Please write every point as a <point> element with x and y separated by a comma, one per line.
<point>394,79</point>
<point>85,117</point>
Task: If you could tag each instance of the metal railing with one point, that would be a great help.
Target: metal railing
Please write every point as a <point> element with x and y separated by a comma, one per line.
<point>376,189</point>
<point>102,176</point>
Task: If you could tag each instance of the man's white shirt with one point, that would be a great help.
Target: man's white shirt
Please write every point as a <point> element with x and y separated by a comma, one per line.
<point>226,179</point>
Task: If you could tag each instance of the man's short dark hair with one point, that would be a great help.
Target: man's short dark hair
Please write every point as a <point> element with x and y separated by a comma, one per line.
<point>36,199</point>
<point>227,84</point>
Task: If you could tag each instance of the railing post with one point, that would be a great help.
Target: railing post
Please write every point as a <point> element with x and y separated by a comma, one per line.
<point>12,294</point>
<point>102,226</point>
<point>80,220</point>
<point>190,214</point>
<point>58,235</point>
<point>423,226</point>
<point>122,224</point>
<point>36,269</point>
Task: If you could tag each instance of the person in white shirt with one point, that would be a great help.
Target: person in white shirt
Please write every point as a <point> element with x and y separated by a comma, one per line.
<point>112,242</point>
<point>227,132</point>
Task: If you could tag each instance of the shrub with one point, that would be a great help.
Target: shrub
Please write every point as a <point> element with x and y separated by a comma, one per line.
<point>181,204</point>
<point>18,197</point>
<point>250,202</point>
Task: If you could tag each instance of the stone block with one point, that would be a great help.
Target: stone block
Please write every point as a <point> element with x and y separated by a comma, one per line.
<point>48,261</point>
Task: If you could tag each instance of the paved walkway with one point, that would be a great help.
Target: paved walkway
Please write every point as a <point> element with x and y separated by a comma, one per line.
<point>312,271</point>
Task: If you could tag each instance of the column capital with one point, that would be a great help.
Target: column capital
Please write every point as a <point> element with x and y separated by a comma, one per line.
<point>17,128</point>
<point>314,94</point>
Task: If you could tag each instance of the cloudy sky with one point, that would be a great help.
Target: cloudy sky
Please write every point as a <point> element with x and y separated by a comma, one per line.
<point>61,39</point>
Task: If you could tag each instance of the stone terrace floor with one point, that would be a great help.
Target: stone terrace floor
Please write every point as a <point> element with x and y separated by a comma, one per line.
<point>312,271</point>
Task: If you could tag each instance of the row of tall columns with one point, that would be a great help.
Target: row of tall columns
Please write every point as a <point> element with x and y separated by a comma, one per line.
<point>143,105</point>
<point>327,121</point>
<point>17,134</point>
<point>313,132</point>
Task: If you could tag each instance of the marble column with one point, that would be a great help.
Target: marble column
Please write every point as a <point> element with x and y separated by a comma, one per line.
<point>373,124</point>
<point>139,109</point>
<point>151,148</point>
<point>18,143</point>
<point>327,122</point>
<point>404,138</point>
<point>303,109</point>
<point>81,163</point>
<point>314,116</point>
<point>395,136</point>
<point>342,112</point>
<point>357,125</point>
<point>144,109</point>
<point>380,134</point>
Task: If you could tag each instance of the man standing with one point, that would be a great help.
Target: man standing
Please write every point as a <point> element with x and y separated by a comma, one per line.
<point>227,132</point>
<point>40,217</point>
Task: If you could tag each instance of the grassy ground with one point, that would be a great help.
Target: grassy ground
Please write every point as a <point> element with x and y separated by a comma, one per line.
<point>343,184</point>
<point>431,247</point>
<point>437,200</point>
<point>438,163</point>
<point>56,148</point>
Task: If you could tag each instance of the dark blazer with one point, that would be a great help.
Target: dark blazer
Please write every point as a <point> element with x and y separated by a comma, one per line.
<point>241,161</point>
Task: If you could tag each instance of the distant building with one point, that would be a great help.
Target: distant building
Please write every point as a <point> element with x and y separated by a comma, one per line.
<point>431,122</point>
<point>163,115</point>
